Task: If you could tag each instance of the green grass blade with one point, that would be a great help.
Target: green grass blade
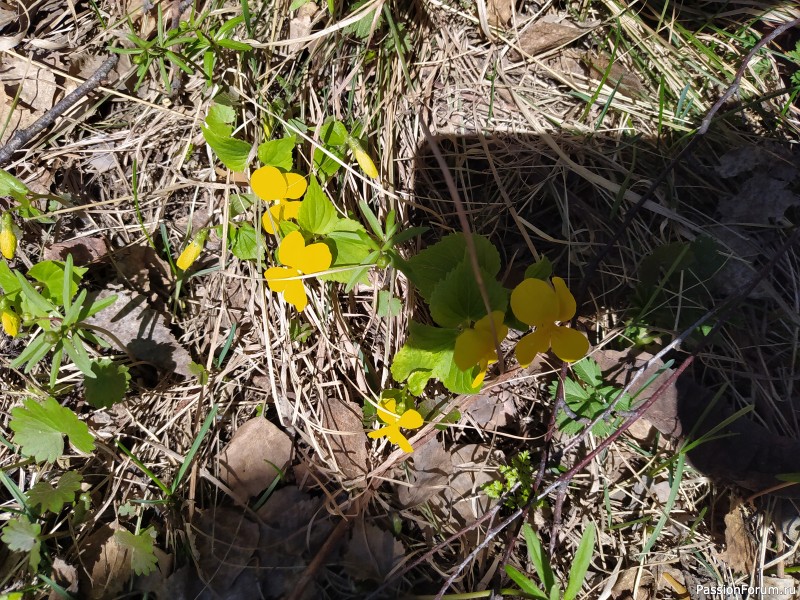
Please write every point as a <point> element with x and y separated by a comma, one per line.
<point>195,447</point>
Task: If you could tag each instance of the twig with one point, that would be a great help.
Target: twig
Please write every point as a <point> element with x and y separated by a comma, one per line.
<point>20,138</point>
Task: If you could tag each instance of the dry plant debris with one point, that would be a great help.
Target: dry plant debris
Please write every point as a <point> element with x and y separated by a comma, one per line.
<point>245,408</point>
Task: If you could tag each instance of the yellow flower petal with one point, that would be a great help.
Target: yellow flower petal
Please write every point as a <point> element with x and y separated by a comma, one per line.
<point>291,209</point>
<point>290,248</point>
<point>569,345</point>
<point>499,328</point>
<point>8,243</point>
<point>365,162</point>
<point>295,186</point>
<point>269,183</point>
<point>270,219</point>
<point>392,432</point>
<point>532,344</point>
<point>387,411</point>
<point>534,302</point>
<point>189,255</point>
<point>11,322</point>
<point>566,301</point>
<point>483,366</point>
<point>471,346</point>
<point>314,258</point>
<point>294,292</point>
<point>410,419</point>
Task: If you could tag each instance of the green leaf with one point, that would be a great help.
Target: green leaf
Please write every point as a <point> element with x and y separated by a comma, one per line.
<point>239,203</point>
<point>362,28</point>
<point>427,353</point>
<point>333,136</point>
<point>246,243</point>
<point>525,584</point>
<point>278,153</point>
<point>8,281</point>
<point>11,186</point>
<point>388,305</point>
<point>457,299</point>
<point>349,246</point>
<point>317,213</point>
<point>110,382</point>
<point>143,557</point>
<point>73,347</point>
<point>430,266</point>
<point>50,273</point>
<point>35,351</point>
<point>541,269</point>
<point>23,536</point>
<point>53,499</point>
<point>232,152</point>
<point>40,429</point>
<point>580,564</point>
<point>333,133</point>
<point>538,557</point>
<point>589,372</point>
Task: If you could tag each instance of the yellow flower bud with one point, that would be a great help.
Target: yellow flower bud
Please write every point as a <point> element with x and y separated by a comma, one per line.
<point>192,251</point>
<point>10,322</point>
<point>8,239</point>
<point>364,160</point>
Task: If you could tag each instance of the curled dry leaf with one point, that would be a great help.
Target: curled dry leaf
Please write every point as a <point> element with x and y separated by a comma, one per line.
<point>84,250</point>
<point>300,25</point>
<point>545,34</point>
<point>250,462</point>
<point>345,437</point>
<point>499,12</point>
<point>37,90</point>
<point>108,565</point>
<point>64,575</point>
<point>740,551</point>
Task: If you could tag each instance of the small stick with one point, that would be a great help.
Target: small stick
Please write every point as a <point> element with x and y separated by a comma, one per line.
<point>20,138</point>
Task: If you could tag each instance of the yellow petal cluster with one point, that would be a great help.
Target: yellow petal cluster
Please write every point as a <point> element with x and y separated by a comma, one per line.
<point>410,419</point>
<point>8,239</point>
<point>299,260</point>
<point>272,185</point>
<point>476,345</point>
<point>192,251</point>
<point>541,305</point>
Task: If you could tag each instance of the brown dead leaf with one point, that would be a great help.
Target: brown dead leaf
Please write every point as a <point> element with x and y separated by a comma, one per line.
<point>618,74</point>
<point>37,90</point>
<point>345,436</point>
<point>300,25</point>
<point>108,566</point>
<point>250,461</point>
<point>545,34</point>
<point>471,465</point>
<point>432,467</point>
<point>84,250</point>
<point>225,540</point>
<point>499,12</point>
<point>141,330</point>
<point>740,551</point>
<point>624,587</point>
<point>491,411</point>
<point>64,575</point>
<point>371,552</point>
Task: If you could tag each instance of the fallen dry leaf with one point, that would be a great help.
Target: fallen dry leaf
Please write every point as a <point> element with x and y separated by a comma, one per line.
<point>345,437</point>
<point>499,12</point>
<point>250,462</point>
<point>545,34</point>
<point>371,552</point>
<point>64,575</point>
<point>624,587</point>
<point>492,411</point>
<point>84,250</point>
<point>300,25</point>
<point>432,467</point>
<point>471,466</point>
<point>740,551</point>
<point>37,90</point>
<point>108,565</point>
<point>225,540</point>
<point>617,75</point>
<point>141,330</point>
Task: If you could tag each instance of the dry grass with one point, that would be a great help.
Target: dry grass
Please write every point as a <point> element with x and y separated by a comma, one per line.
<point>547,162</point>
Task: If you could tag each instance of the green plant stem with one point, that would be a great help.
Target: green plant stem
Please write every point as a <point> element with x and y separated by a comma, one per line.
<point>470,595</point>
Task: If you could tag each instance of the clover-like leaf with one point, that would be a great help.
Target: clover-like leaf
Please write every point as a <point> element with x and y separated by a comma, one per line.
<point>53,499</point>
<point>110,382</point>
<point>23,536</point>
<point>40,429</point>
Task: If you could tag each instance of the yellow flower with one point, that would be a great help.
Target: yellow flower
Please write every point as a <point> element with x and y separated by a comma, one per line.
<point>410,419</point>
<point>475,346</point>
<point>270,185</point>
<point>362,158</point>
<point>536,303</point>
<point>10,322</point>
<point>8,239</point>
<point>192,251</point>
<point>300,260</point>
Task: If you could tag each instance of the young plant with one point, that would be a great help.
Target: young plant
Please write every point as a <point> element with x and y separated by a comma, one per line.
<point>550,588</point>
<point>519,471</point>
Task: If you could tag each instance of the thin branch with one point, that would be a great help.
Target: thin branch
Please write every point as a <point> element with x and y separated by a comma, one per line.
<point>20,138</point>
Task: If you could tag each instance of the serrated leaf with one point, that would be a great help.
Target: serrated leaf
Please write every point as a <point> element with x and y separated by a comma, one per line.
<point>40,429</point>
<point>362,28</point>
<point>111,381</point>
<point>23,536</point>
<point>246,243</point>
<point>220,117</point>
<point>588,371</point>
<point>278,153</point>
<point>541,269</point>
<point>50,273</point>
<point>317,213</point>
<point>430,266</point>
<point>427,353</point>
<point>53,499</point>
<point>141,548</point>
<point>456,299</point>
<point>239,203</point>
